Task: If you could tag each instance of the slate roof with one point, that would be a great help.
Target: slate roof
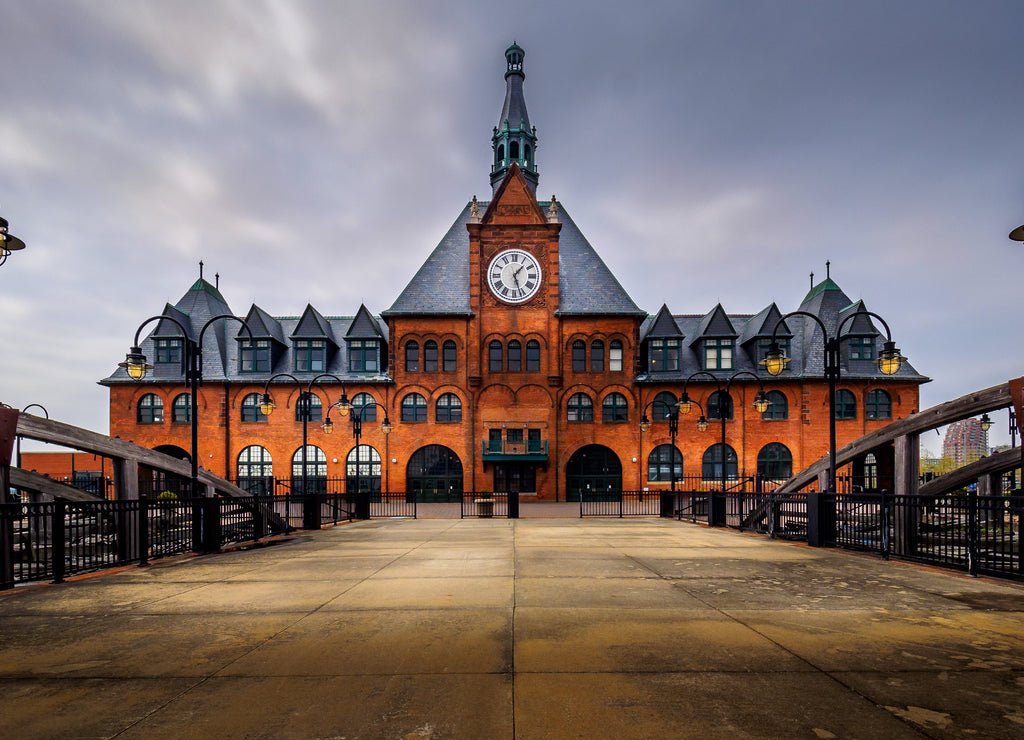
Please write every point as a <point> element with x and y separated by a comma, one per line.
<point>826,300</point>
<point>221,354</point>
<point>586,285</point>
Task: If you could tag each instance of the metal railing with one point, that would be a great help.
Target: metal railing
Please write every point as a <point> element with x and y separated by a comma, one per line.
<point>624,503</point>
<point>484,504</point>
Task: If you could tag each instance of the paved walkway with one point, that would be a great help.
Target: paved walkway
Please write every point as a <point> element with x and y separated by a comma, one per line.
<point>538,628</point>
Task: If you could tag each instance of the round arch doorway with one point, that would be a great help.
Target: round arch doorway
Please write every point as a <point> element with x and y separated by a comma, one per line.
<point>434,474</point>
<point>594,470</point>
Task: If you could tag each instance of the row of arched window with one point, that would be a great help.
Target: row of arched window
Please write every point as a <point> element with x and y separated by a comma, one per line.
<point>877,405</point>
<point>597,356</point>
<point>431,361</point>
<point>774,462</point>
<point>447,408</point>
<point>509,358</point>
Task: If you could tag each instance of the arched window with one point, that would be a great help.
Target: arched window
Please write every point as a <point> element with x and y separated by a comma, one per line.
<point>614,408</point>
<point>316,470</point>
<point>711,467</point>
<point>501,152</point>
<point>513,150</point>
<point>615,356</point>
<point>430,356</point>
<point>661,461</point>
<point>526,153</point>
<point>362,470</point>
<point>251,408</point>
<point>412,357</point>
<point>662,407</point>
<point>870,472</point>
<point>515,356</point>
<point>878,405</point>
<point>579,356</point>
<point>255,470</point>
<point>720,405</point>
<point>434,473</point>
<point>495,357</point>
<point>533,356</point>
<point>779,408</point>
<point>316,407</point>
<point>448,408</point>
<point>775,462</point>
<point>846,404</point>
<point>597,356</point>
<point>581,408</point>
<point>150,410</point>
<point>450,356</point>
<point>181,409</point>
<point>365,402</point>
<point>414,408</point>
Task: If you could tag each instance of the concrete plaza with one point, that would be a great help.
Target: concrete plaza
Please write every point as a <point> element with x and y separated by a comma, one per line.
<point>535,628</point>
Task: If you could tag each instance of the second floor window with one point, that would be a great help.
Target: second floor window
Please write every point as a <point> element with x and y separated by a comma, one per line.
<point>430,356</point>
<point>449,408</point>
<point>412,357</point>
<point>181,409</point>
<point>718,354</point>
<point>254,356</point>
<point>664,355</point>
<point>150,409</point>
<point>533,356</point>
<point>414,408</point>
<point>615,356</point>
<point>310,355</point>
<point>362,356</point>
<point>515,356</point>
<point>846,404</point>
<point>581,408</point>
<point>450,356</point>
<point>251,408</point>
<point>614,408</point>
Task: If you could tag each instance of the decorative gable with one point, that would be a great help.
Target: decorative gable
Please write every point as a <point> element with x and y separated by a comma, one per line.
<point>312,325</point>
<point>514,202</point>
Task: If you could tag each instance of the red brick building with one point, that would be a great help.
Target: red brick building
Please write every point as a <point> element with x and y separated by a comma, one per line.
<point>513,360</point>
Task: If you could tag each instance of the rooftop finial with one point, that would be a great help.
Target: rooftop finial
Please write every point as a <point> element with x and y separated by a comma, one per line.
<point>216,280</point>
<point>200,269</point>
<point>474,211</point>
<point>553,211</point>
<point>812,279</point>
<point>827,269</point>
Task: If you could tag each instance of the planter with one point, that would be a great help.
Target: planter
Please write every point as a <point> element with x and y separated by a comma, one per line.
<point>484,507</point>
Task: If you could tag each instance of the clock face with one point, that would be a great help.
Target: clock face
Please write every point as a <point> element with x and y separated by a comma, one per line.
<point>514,276</point>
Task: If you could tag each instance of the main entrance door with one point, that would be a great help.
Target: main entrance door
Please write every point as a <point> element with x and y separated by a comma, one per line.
<point>434,474</point>
<point>594,470</point>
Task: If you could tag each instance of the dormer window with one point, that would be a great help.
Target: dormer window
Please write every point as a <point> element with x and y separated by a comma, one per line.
<point>664,355</point>
<point>718,354</point>
<point>254,356</point>
<point>310,355</point>
<point>861,348</point>
<point>363,355</point>
<point>167,351</point>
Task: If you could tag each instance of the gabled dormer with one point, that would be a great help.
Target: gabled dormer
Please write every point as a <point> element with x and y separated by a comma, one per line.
<point>858,338</point>
<point>756,337</point>
<point>168,351</point>
<point>313,343</point>
<point>367,344</point>
<point>715,340</point>
<point>260,352</point>
<point>662,342</point>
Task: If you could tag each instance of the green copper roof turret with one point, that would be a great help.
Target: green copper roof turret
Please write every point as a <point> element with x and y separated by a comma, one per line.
<point>514,139</point>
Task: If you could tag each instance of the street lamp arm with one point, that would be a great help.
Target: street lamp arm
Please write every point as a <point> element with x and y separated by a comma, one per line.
<point>138,332</point>
<point>686,382</point>
<point>266,386</point>
<point>782,320</point>
<point>38,406</point>
<point>224,316</point>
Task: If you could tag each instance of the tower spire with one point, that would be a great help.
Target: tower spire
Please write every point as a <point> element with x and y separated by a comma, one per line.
<point>514,139</point>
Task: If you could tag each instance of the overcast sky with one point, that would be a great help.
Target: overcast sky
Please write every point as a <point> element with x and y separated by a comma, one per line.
<point>317,151</point>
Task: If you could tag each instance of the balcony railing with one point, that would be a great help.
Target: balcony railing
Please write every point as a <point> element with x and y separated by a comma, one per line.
<point>499,449</point>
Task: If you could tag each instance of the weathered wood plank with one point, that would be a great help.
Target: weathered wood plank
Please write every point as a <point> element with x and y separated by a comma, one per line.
<point>999,462</point>
<point>30,480</point>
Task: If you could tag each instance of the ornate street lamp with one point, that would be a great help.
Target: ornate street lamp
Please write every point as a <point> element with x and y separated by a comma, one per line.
<point>889,362</point>
<point>985,423</point>
<point>8,242</point>
<point>673,430</point>
<point>362,510</point>
<point>136,366</point>
<point>716,511</point>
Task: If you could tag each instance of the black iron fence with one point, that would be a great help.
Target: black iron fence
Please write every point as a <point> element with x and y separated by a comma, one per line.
<point>626,503</point>
<point>485,504</point>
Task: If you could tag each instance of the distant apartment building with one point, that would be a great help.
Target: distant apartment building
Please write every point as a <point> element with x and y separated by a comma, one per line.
<point>965,441</point>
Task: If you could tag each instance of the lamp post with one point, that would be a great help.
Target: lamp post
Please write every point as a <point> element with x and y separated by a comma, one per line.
<point>267,407</point>
<point>889,362</point>
<point>136,366</point>
<point>673,429</point>
<point>716,514</point>
<point>362,501</point>
<point>8,242</point>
